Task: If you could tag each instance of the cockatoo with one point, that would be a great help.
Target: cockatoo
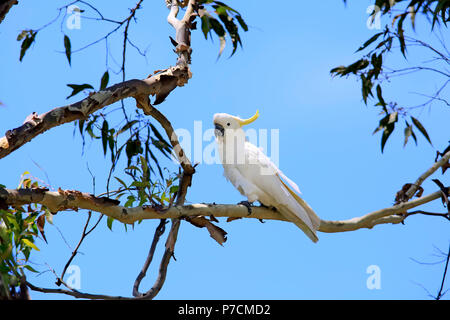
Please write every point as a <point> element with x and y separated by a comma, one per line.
<point>257,177</point>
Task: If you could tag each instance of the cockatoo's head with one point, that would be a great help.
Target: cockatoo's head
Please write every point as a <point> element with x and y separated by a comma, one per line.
<point>224,121</point>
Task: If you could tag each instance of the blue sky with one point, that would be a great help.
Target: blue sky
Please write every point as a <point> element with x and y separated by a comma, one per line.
<point>326,147</point>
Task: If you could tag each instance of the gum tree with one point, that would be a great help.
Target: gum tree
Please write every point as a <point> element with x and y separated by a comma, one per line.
<point>141,140</point>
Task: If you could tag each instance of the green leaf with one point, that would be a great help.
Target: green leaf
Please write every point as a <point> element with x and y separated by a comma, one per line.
<point>130,201</point>
<point>231,28</point>
<point>133,147</point>
<point>68,48</point>
<point>26,43</point>
<point>81,125</point>
<point>421,129</point>
<point>104,81</point>
<point>220,31</point>
<point>30,244</point>
<point>206,27</point>
<point>77,88</point>
<point>22,35</point>
<point>30,268</point>
<point>174,189</point>
<point>109,222</point>
<point>121,182</point>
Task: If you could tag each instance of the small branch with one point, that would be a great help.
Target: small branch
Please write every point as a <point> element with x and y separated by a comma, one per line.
<point>440,294</point>
<point>443,215</point>
<point>185,182</point>
<point>158,233</point>
<point>84,234</point>
<point>444,159</point>
<point>76,294</point>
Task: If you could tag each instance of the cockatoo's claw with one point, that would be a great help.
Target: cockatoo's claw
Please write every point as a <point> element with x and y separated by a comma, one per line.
<point>248,205</point>
<point>268,207</point>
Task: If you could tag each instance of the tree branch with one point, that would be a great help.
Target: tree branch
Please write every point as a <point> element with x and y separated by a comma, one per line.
<point>183,36</point>
<point>74,200</point>
<point>438,164</point>
<point>159,85</point>
<point>35,124</point>
<point>5,7</point>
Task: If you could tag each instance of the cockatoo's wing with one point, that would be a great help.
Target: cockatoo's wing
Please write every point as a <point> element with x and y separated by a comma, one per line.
<point>266,180</point>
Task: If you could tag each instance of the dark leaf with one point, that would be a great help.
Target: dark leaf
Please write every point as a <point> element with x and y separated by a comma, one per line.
<point>127,126</point>
<point>368,42</point>
<point>401,36</point>
<point>408,132</point>
<point>386,133</point>
<point>77,88</point>
<point>105,133</point>
<point>104,81</point>
<point>40,224</point>
<point>242,22</point>
<point>68,49</point>
<point>206,27</point>
<point>26,43</point>
<point>421,128</point>
<point>380,97</point>
<point>174,43</point>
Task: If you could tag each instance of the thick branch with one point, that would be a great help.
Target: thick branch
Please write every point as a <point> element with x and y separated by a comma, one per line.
<point>5,7</point>
<point>64,200</point>
<point>159,84</point>
<point>37,124</point>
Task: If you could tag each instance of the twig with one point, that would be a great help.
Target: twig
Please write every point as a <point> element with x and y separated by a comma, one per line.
<point>440,294</point>
<point>158,233</point>
<point>412,190</point>
<point>74,253</point>
<point>444,215</point>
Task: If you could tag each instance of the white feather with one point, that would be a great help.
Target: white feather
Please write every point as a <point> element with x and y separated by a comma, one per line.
<point>259,179</point>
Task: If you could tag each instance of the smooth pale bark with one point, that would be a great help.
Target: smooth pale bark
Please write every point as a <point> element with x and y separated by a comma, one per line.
<point>67,200</point>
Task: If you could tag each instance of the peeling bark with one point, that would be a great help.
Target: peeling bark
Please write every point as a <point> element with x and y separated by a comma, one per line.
<point>35,124</point>
<point>74,200</point>
<point>5,7</point>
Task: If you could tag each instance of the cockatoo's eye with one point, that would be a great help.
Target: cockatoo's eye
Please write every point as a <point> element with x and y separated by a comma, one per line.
<point>228,124</point>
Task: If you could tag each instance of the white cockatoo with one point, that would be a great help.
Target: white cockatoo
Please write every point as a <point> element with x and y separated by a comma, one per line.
<point>257,177</point>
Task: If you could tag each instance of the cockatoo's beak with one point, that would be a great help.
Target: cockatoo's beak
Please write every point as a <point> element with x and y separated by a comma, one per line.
<point>219,131</point>
<point>244,122</point>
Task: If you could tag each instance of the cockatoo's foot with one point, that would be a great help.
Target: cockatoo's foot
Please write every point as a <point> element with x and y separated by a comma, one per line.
<point>267,207</point>
<point>248,205</point>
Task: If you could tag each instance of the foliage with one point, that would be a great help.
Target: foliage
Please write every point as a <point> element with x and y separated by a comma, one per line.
<point>370,68</point>
<point>225,25</point>
<point>19,228</point>
<point>160,193</point>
